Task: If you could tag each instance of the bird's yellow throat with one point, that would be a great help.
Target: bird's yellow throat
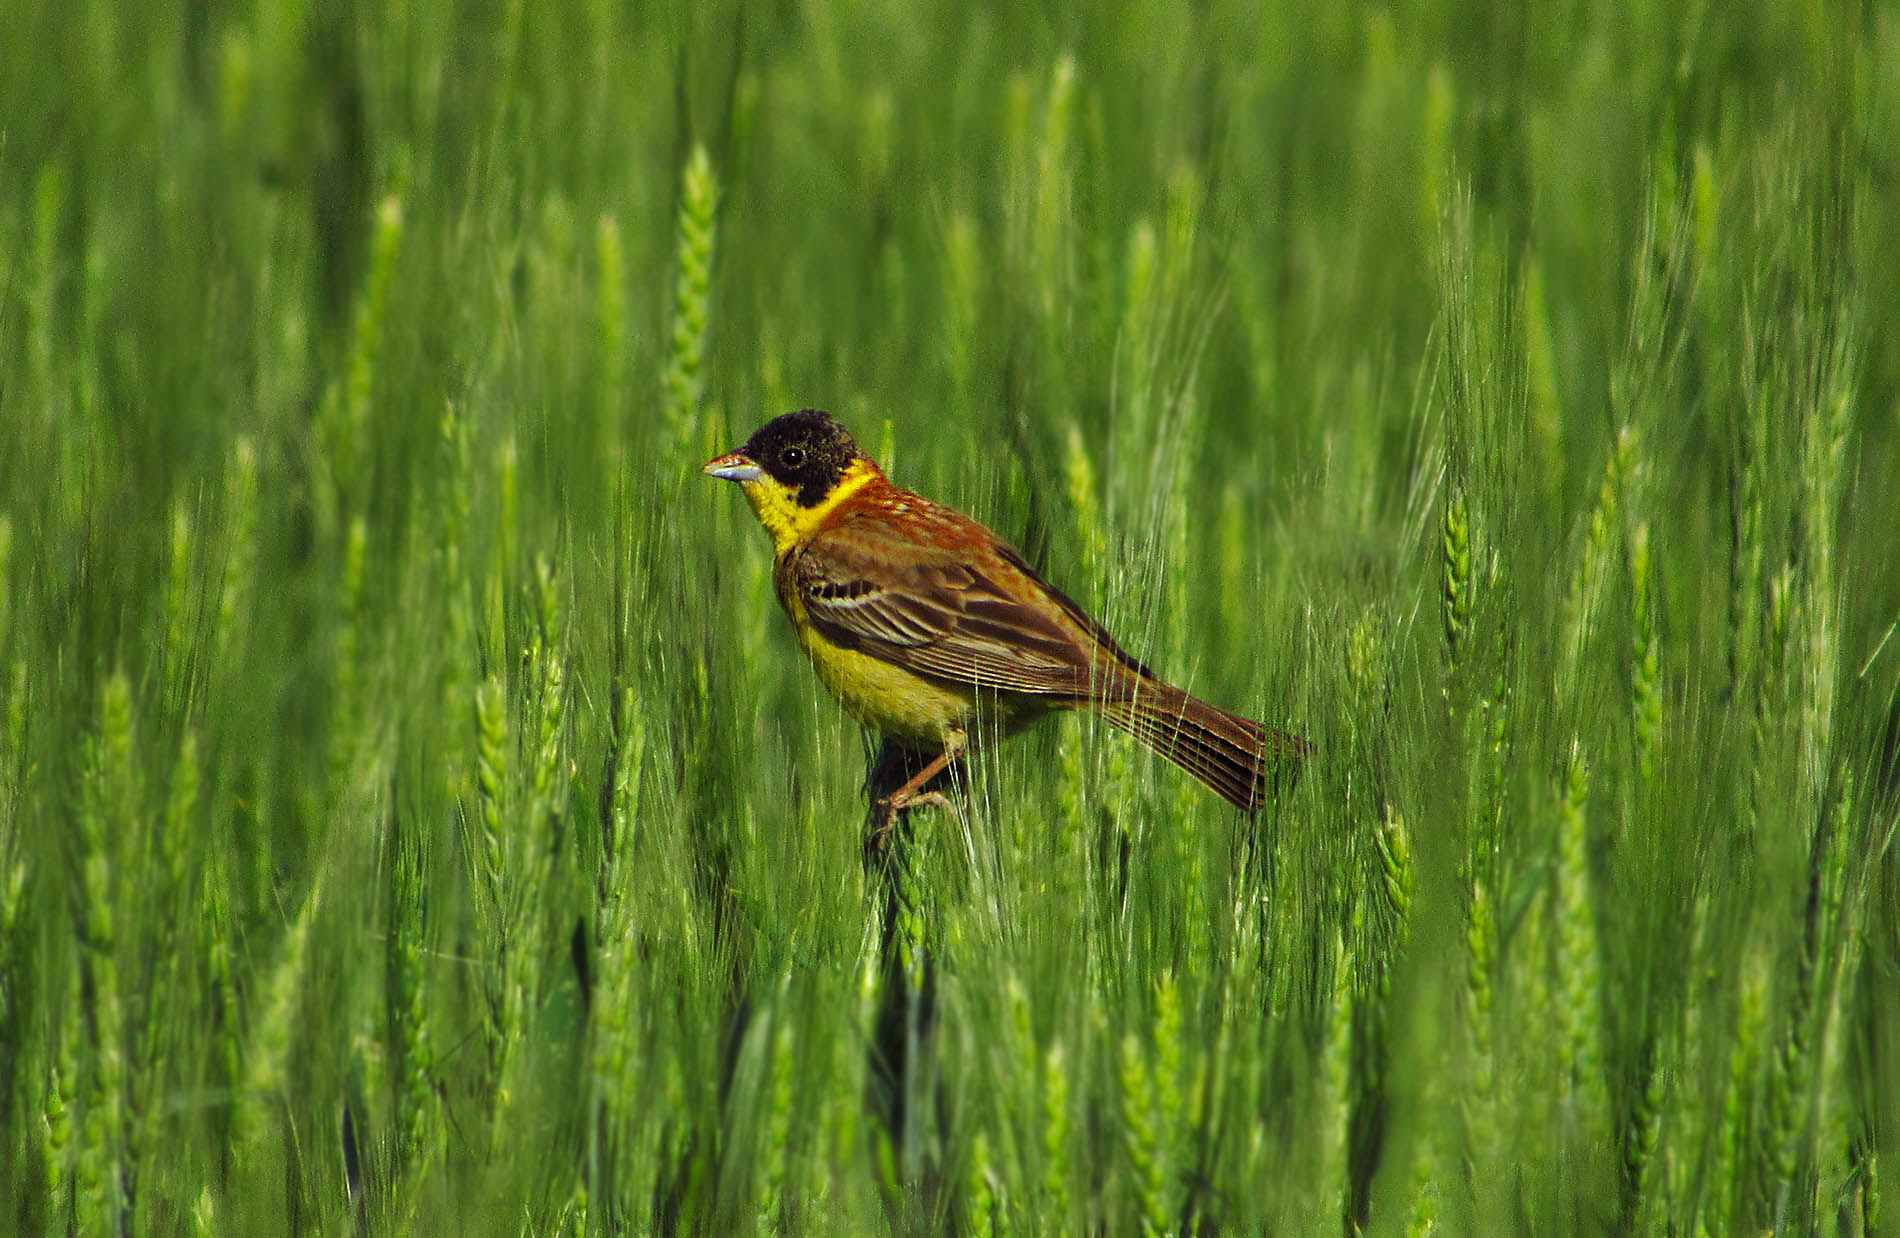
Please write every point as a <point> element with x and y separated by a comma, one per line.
<point>785,519</point>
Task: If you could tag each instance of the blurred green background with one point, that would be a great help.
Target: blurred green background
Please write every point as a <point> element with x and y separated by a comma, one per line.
<point>416,816</point>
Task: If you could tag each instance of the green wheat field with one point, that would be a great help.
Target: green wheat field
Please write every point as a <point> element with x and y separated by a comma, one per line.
<point>417,817</point>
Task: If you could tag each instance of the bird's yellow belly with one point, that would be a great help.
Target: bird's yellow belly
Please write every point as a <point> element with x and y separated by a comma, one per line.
<point>903,706</point>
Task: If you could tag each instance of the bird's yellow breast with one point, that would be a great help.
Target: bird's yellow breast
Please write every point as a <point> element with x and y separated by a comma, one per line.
<point>903,706</point>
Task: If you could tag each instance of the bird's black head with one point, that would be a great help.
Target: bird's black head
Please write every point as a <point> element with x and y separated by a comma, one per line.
<point>807,451</point>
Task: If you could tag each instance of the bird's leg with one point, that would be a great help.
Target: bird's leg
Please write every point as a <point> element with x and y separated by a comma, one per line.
<point>910,794</point>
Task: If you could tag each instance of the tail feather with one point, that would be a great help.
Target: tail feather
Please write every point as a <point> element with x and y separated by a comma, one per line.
<point>1235,756</point>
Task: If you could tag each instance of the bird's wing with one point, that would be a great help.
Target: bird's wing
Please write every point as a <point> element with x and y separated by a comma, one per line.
<point>868,586</point>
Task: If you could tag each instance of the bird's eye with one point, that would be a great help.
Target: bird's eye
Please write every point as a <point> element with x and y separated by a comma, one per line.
<point>792,457</point>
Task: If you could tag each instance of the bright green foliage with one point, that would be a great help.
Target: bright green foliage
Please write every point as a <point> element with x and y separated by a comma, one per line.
<point>416,817</point>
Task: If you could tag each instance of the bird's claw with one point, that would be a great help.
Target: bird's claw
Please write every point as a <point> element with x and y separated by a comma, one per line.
<point>930,799</point>
<point>888,810</point>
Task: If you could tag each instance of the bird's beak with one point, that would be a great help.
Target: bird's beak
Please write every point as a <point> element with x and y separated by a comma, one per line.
<point>733,466</point>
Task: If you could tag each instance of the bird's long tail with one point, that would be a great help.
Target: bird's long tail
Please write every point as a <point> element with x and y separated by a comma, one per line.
<point>1236,756</point>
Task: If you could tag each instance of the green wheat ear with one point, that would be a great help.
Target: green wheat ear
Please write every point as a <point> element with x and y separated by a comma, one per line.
<point>1171,1103</point>
<point>1458,582</point>
<point>349,627</point>
<point>549,652</point>
<point>1436,163</point>
<point>56,1130</point>
<point>1645,654</point>
<point>1588,584</point>
<point>488,852</point>
<point>1141,1135</point>
<point>107,820</point>
<point>367,335</point>
<point>345,415</point>
<point>266,1058</point>
<point>1331,1200</point>
<point>408,991</point>
<point>683,382</point>
<point>776,1130</point>
<point>1084,502</point>
<point>226,1052</point>
<point>176,834</point>
<point>1057,1168</point>
<point>610,322</point>
<point>181,596</point>
<point>1053,178</point>
<point>962,301</point>
<point>1643,1128</point>
<point>1478,1102</point>
<point>49,194</point>
<point>981,1187</point>
<point>1395,858</point>
<point>236,589</point>
<point>6,580</point>
<point>1545,397</point>
<point>1578,951</point>
<point>1731,1172</point>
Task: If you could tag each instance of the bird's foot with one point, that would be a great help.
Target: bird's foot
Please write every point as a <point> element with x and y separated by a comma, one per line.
<point>887,812</point>
<point>928,799</point>
<point>879,832</point>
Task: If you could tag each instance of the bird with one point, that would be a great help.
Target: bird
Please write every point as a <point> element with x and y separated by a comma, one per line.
<point>928,627</point>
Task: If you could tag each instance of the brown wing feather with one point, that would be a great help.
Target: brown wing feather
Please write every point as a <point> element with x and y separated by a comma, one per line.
<point>1075,612</point>
<point>868,585</point>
